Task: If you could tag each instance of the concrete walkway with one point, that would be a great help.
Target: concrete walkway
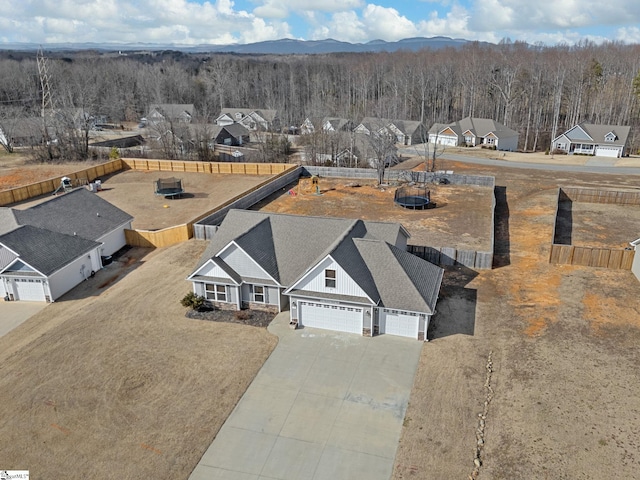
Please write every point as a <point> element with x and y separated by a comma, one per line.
<point>13,314</point>
<point>325,406</point>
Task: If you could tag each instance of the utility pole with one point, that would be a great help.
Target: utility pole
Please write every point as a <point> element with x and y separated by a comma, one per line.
<point>47,101</point>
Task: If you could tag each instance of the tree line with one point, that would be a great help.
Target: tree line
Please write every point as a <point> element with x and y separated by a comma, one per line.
<point>538,91</point>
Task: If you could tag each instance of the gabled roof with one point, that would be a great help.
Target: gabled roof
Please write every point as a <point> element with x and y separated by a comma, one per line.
<point>480,127</point>
<point>268,115</point>
<point>44,250</point>
<point>404,281</point>
<point>78,212</point>
<point>599,132</point>
<point>286,246</point>
<point>337,123</point>
<point>408,127</point>
<point>172,110</point>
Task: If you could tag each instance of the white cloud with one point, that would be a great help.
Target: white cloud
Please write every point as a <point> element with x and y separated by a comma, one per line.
<point>628,34</point>
<point>551,14</point>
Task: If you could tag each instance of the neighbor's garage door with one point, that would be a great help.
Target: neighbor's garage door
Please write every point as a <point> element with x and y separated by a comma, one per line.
<point>330,317</point>
<point>393,322</point>
<point>607,152</point>
<point>29,289</point>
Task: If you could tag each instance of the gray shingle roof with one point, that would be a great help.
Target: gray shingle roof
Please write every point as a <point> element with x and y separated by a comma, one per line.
<point>287,246</point>
<point>404,281</point>
<point>80,212</point>
<point>598,132</point>
<point>479,126</point>
<point>296,242</point>
<point>44,250</point>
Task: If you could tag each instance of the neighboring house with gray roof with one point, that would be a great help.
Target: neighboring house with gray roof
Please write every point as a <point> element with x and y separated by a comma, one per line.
<point>338,274</point>
<point>591,139</point>
<point>472,132</point>
<point>261,119</point>
<point>49,248</point>
<point>170,112</point>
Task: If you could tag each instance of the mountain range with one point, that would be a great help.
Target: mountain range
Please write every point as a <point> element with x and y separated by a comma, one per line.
<point>285,46</point>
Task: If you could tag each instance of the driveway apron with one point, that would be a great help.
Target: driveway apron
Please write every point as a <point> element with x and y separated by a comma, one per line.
<point>324,406</point>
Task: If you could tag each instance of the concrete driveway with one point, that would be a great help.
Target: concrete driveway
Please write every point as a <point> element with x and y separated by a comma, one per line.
<point>13,314</point>
<point>325,406</point>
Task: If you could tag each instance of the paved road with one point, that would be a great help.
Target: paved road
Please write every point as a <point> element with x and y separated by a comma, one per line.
<point>592,164</point>
<point>325,406</point>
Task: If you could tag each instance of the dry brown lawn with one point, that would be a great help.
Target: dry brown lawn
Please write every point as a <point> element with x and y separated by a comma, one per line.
<point>566,399</point>
<point>113,381</point>
<point>461,219</point>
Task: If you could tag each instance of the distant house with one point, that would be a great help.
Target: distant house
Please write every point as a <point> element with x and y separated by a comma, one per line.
<point>264,120</point>
<point>48,249</point>
<point>23,132</point>
<point>234,134</point>
<point>472,132</point>
<point>406,132</point>
<point>344,275</point>
<point>326,124</point>
<point>170,112</point>
<point>337,124</point>
<point>591,139</point>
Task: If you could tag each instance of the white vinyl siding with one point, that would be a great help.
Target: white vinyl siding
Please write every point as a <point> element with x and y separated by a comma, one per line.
<point>241,263</point>
<point>315,281</point>
<point>339,318</point>
<point>210,269</point>
<point>79,270</point>
<point>114,240</point>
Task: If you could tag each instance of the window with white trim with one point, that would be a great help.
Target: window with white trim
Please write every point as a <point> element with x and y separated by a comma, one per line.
<point>330,278</point>
<point>257,293</point>
<point>215,292</point>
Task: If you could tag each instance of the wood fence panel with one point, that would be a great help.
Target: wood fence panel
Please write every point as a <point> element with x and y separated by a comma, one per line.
<point>627,259</point>
<point>615,259</point>
<point>484,260</point>
<point>582,256</point>
<point>600,257</point>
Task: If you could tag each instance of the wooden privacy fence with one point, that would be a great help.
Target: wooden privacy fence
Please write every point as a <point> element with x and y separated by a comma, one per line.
<point>158,238</point>
<point>181,233</point>
<point>20,194</point>
<point>612,258</point>
<point>205,167</point>
<point>596,195</point>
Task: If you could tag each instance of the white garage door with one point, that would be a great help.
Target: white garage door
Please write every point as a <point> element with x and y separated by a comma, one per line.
<point>29,290</point>
<point>607,152</point>
<point>393,322</point>
<point>331,317</point>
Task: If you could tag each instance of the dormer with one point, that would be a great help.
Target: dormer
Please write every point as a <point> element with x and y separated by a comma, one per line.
<point>610,137</point>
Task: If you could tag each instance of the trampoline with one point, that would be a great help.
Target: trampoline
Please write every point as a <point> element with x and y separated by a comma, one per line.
<point>416,198</point>
<point>168,187</point>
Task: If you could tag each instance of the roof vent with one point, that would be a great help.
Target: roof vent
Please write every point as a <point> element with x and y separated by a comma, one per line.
<point>75,234</point>
<point>98,214</point>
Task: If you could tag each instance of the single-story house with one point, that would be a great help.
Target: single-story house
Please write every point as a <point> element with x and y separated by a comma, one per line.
<point>234,134</point>
<point>472,131</point>
<point>170,112</point>
<point>49,248</point>
<point>264,120</point>
<point>406,132</point>
<point>590,139</point>
<point>337,274</point>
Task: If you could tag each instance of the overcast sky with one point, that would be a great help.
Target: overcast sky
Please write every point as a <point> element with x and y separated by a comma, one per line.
<point>192,22</point>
